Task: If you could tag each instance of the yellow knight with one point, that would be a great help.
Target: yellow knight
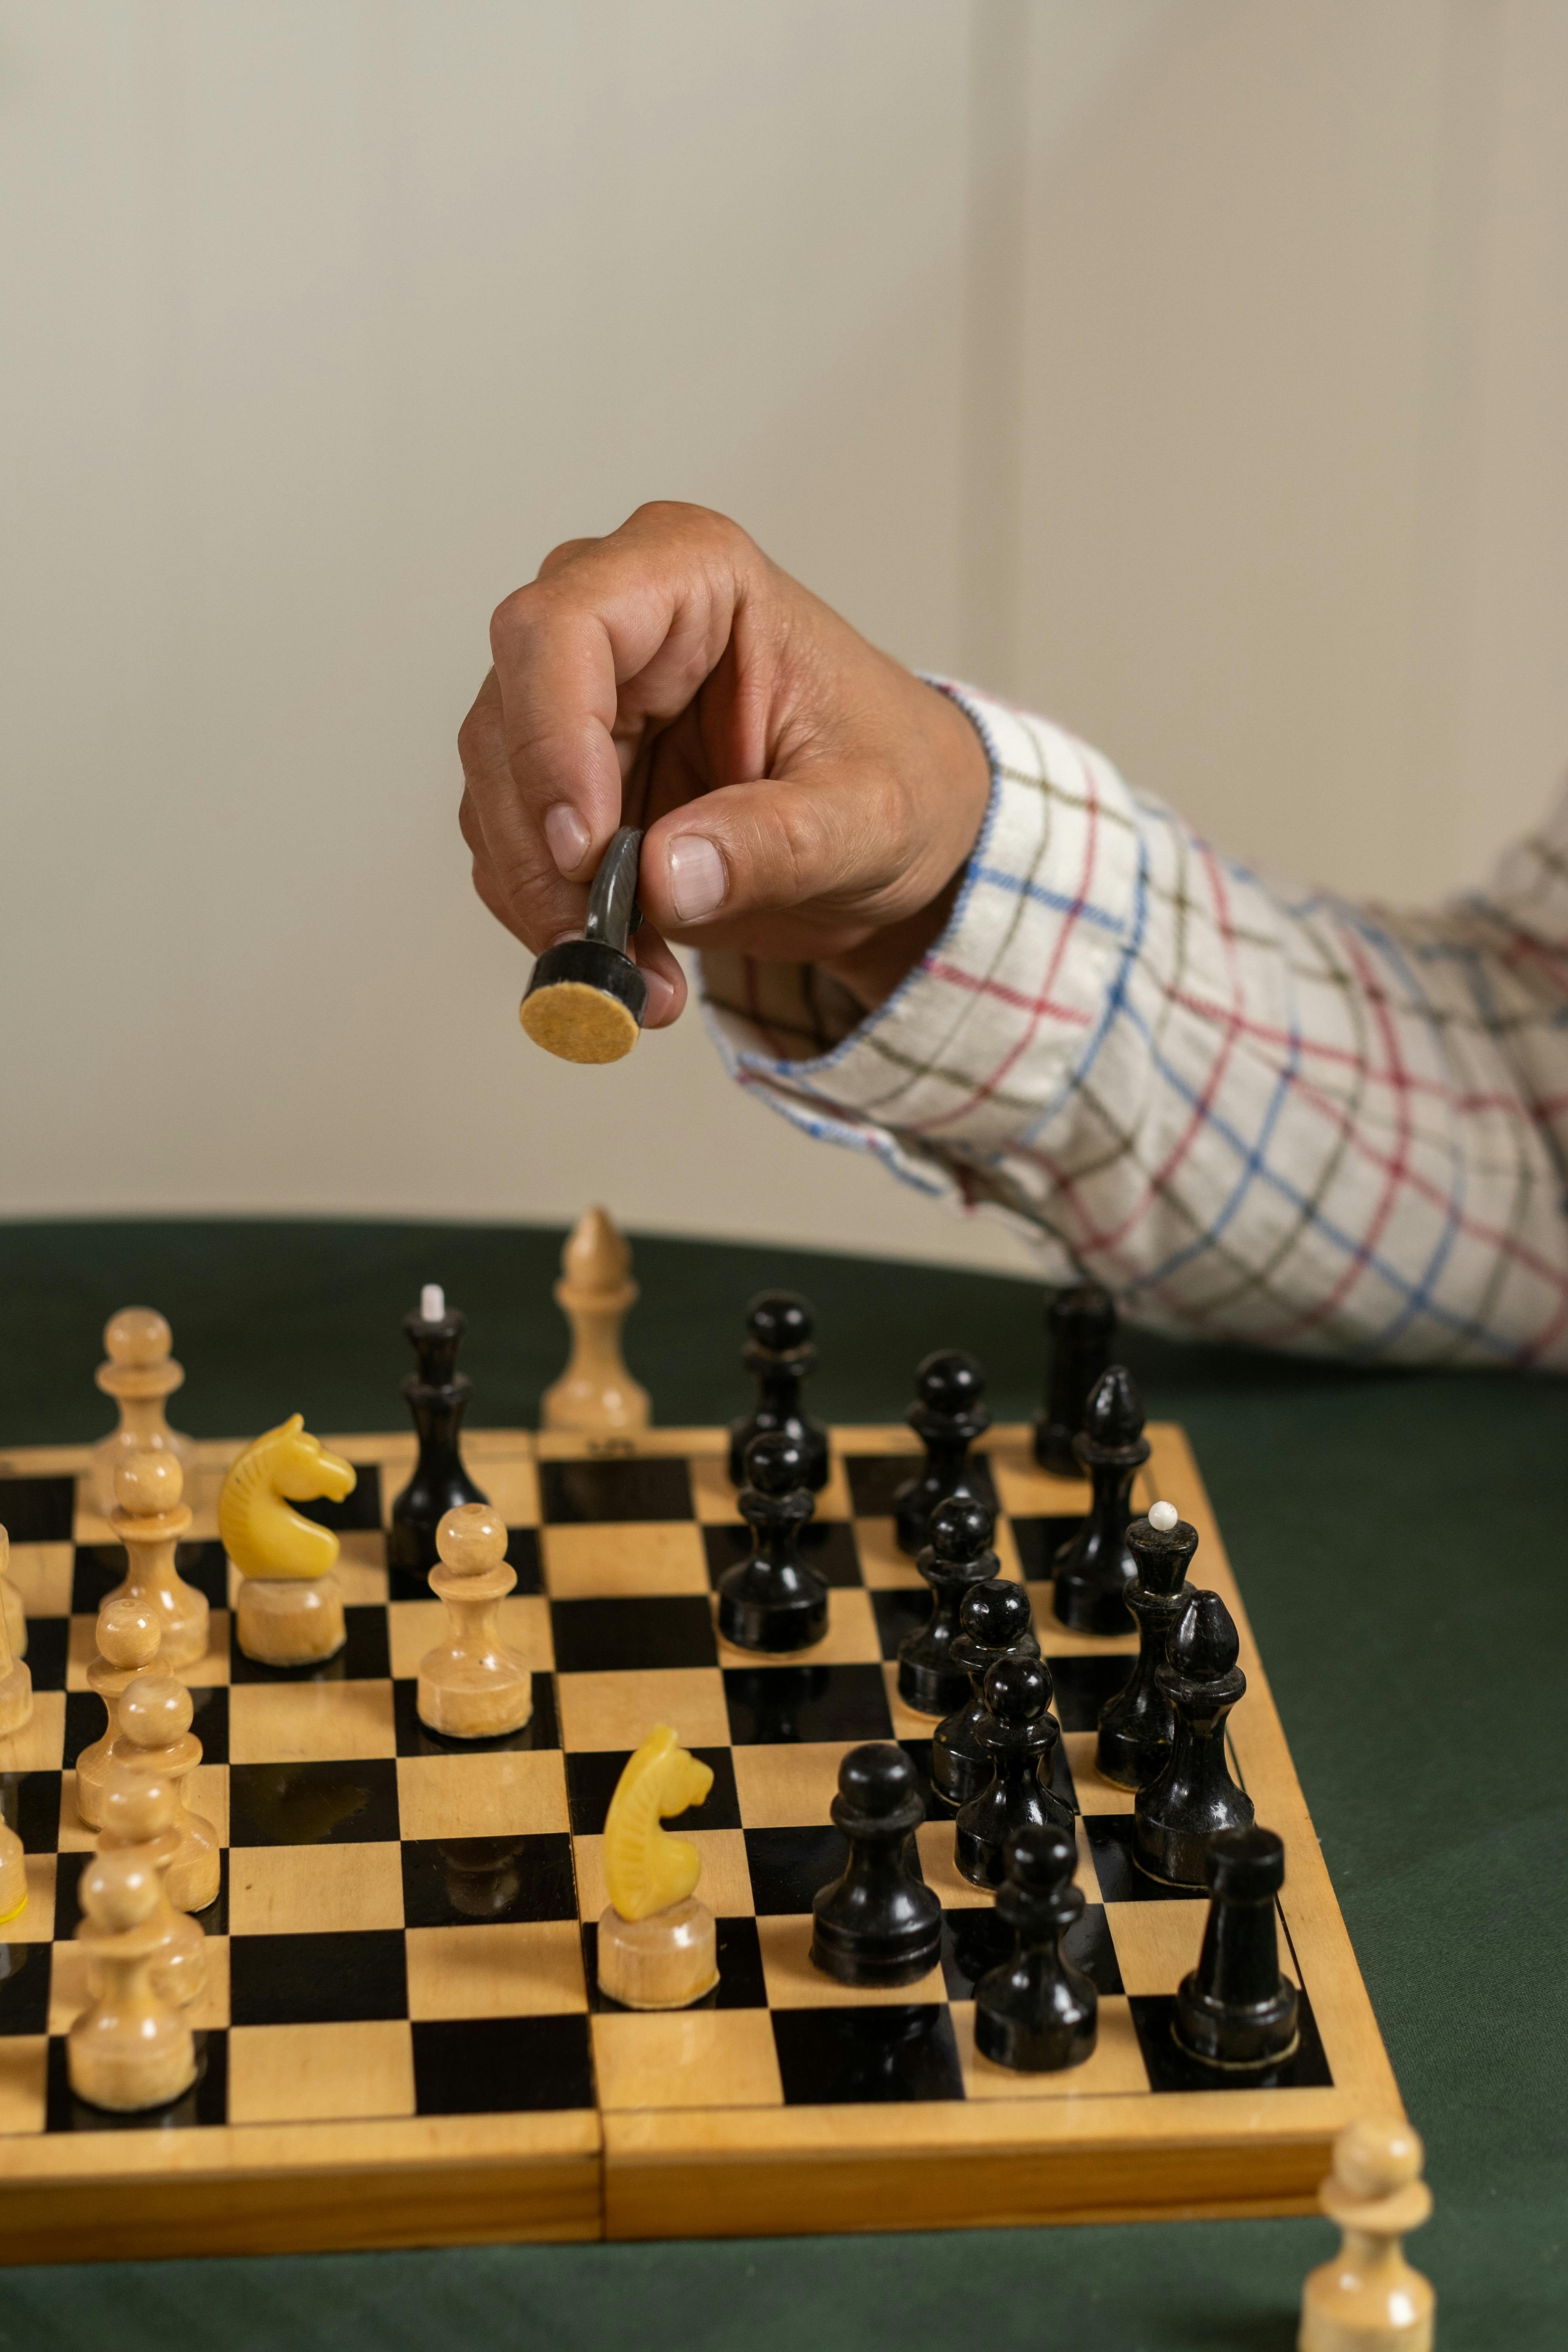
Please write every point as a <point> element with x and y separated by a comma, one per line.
<point>290,1608</point>
<point>657,1942</point>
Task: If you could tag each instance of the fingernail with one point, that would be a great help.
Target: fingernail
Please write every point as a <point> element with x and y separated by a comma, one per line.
<point>697,877</point>
<point>568,837</point>
<point>660,992</point>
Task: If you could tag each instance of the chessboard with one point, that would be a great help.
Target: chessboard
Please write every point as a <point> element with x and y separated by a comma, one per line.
<point>402,2042</point>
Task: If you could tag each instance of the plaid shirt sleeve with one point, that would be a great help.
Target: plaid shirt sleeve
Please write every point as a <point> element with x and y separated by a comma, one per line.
<point>1255,1113</point>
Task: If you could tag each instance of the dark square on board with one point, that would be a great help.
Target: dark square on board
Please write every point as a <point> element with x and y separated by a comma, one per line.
<point>591,1775</point>
<point>339,1978</point>
<point>644,1630</point>
<point>415,1738</point>
<point>491,2066</point>
<point>1170,2069</point>
<point>777,1705</point>
<point>975,1940</point>
<point>39,1510</point>
<point>1040,1540</point>
<point>828,1546</point>
<point>458,1882</point>
<point>359,1513</point>
<point>1111,1837</point>
<point>364,1658</point>
<point>206,2102</point>
<point>316,1802</point>
<point>1083,1684</point>
<point>875,1478</point>
<point>899,1612</point>
<point>655,1486</point>
<point>788,1866</point>
<point>839,2057</point>
<point>48,1647</point>
<point>24,1989</point>
<point>522,1554</point>
<point>31,1804</point>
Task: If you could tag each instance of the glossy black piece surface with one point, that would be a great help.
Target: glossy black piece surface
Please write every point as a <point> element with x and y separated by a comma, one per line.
<point>1178,1811</point>
<point>995,1622</point>
<point>1037,2012</point>
<point>779,1353</point>
<point>957,1557</point>
<point>1095,1569</point>
<point>1081,1330</point>
<point>773,1601</point>
<point>1137,1726</point>
<point>948,1415</point>
<point>879,1924</point>
<point>1020,1735</point>
<point>437,1397</point>
<point>1235,2009</point>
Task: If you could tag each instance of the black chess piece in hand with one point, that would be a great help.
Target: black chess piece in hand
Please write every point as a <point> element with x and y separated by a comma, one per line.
<point>993,1622</point>
<point>1178,1811</point>
<point>779,1353</point>
<point>1021,1735</point>
<point>1095,1569</point>
<point>1037,2012</point>
<point>437,1397</point>
<point>957,1557</point>
<point>948,1415</point>
<point>1235,2010</point>
<point>1137,1727</point>
<point>771,1602</point>
<point>1080,1331</point>
<point>879,1924</point>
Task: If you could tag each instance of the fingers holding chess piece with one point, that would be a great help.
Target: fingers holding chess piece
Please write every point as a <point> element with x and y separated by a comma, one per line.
<point>149,1516</point>
<point>658,1943</point>
<point>472,1686</point>
<point>595,1394</point>
<point>1037,2012</point>
<point>140,1374</point>
<point>289,1610</point>
<point>11,1608</point>
<point>1368,2298</point>
<point>127,1638</point>
<point>154,1713</point>
<point>141,1817</point>
<point>130,2049</point>
<point>16,1675</point>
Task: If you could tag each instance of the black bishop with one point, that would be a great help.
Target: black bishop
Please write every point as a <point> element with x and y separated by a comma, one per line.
<point>1176,1813</point>
<point>1094,1569</point>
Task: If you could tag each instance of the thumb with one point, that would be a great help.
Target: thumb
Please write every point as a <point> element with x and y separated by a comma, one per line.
<point>770,846</point>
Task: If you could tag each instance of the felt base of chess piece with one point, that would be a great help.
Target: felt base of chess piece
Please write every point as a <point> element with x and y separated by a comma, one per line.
<point>771,1602</point>
<point>1081,1330</point>
<point>1234,2010</point>
<point>779,1354</point>
<point>954,1562</point>
<point>437,1397</point>
<point>1137,1727</point>
<point>877,1924</point>
<point>472,1685</point>
<point>1193,1796</point>
<point>129,2050</point>
<point>1095,1569</point>
<point>1368,2298</point>
<point>149,1519</point>
<point>993,1622</point>
<point>13,1875</point>
<point>127,1644</point>
<point>665,1961</point>
<point>948,1415</point>
<point>291,1621</point>
<point>587,999</point>
<point>1020,1735</point>
<point>1036,2012</point>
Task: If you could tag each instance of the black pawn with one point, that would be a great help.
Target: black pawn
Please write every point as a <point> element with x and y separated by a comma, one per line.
<point>1235,2010</point>
<point>771,1602</point>
<point>437,1397</point>
<point>1037,2012</point>
<point>1137,1727</point>
<point>879,1924</point>
<point>1094,1570</point>
<point>1080,1331</point>
<point>947,1415</point>
<point>958,1558</point>
<point>779,1353</point>
<point>1021,1735</point>
<point>993,1621</point>
<point>1178,1811</point>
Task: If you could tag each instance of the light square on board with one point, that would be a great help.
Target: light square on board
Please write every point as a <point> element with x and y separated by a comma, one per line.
<point>883,1566</point>
<point>35,1923</point>
<point>42,1573</point>
<point>515,1968</point>
<point>795,1981</point>
<point>618,1709</point>
<point>281,1722</point>
<point>791,1787</point>
<point>935,1843</point>
<point>851,1639</point>
<point>725,1884</point>
<point>319,2073</point>
<point>1095,1794</point>
<point>504,1791</point>
<point>620,1560</point>
<point>686,2058</point>
<point>1115,2069</point>
<point>24,2074</point>
<point>301,1890</point>
<point>1024,1491</point>
<point>39,1746</point>
<point>510,1481</point>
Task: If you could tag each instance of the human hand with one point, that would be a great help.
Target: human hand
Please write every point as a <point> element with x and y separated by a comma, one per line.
<point>804,798</point>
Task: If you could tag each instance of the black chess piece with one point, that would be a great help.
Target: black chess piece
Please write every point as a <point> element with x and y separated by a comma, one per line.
<point>1094,1569</point>
<point>771,1602</point>
<point>779,1353</point>
<point>879,1924</point>
<point>947,1415</point>
<point>1021,1735</point>
<point>1178,1811</point>
<point>993,1621</point>
<point>1037,2012</point>
<point>1080,1331</point>
<point>437,1397</point>
<point>1137,1727</point>
<point>1235,2010</point>
<point>957,1559</point>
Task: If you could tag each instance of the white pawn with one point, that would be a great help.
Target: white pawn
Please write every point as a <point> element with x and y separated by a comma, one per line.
<point>11,1608</point>
<point>15,1683</point>
<point>139,1373</point>
<point>128,2049</point>
<point>1368,2299</point>
<point>155,1738</point>
<point>151,1516</point>
<point>140,1814</point>
<point>128,1637</point>
<point>595,1394</point>
<point>472,1686</point>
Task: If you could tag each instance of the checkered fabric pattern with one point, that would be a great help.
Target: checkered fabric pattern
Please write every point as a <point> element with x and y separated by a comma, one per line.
<point>405,1927</point>
<point>1254,1113</point>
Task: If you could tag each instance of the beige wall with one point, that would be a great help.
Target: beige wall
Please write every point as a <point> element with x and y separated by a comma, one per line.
<point>1196,370</point>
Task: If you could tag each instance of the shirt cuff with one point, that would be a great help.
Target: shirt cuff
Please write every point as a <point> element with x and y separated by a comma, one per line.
<point>977,1046</point>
